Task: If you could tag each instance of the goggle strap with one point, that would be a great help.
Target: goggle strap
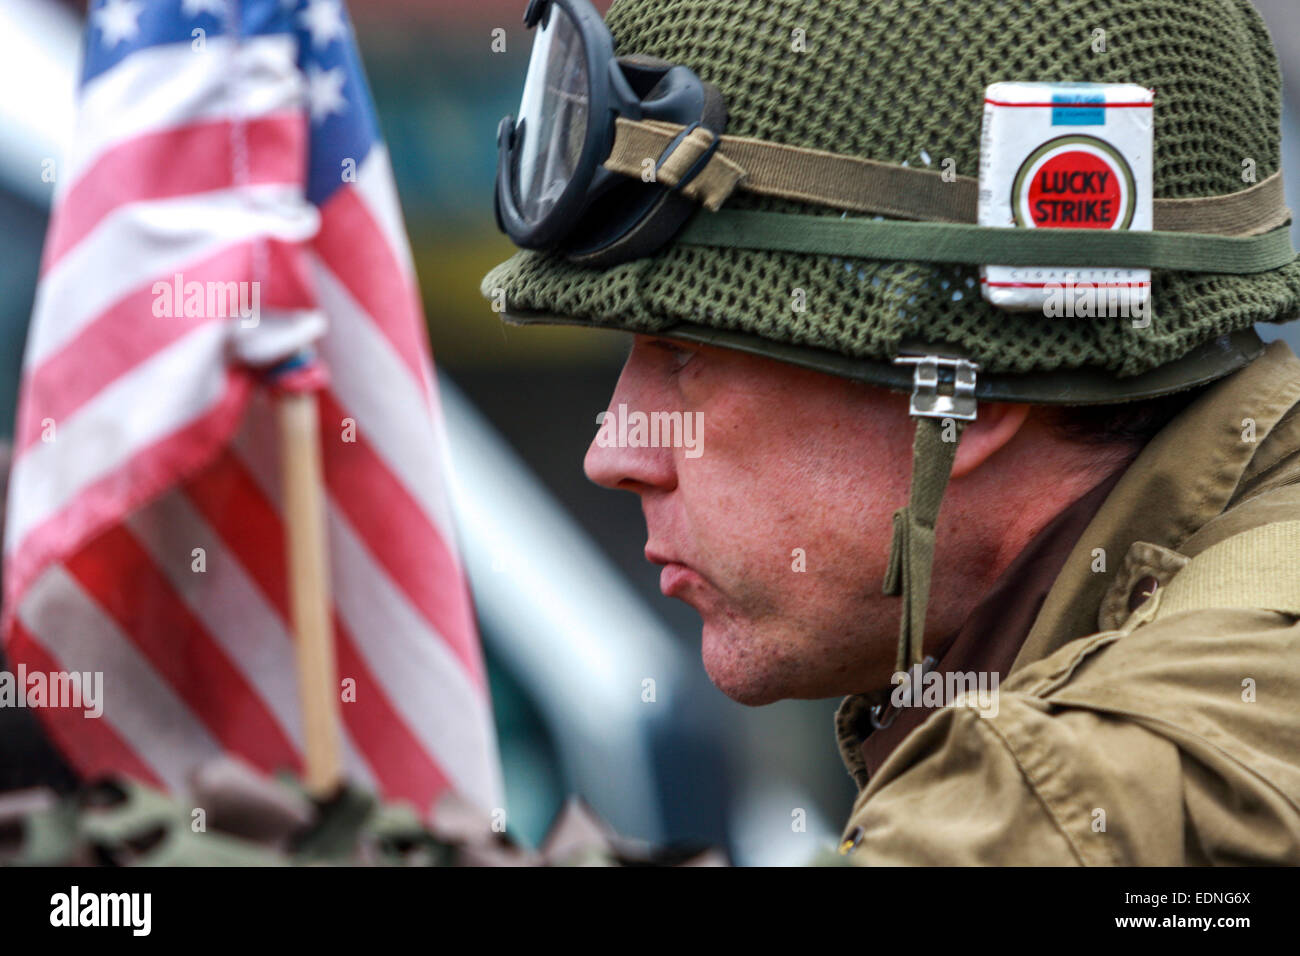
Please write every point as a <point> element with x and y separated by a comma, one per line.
<point>1251,212</point>
<point>854,184</point>
<point>639,145</point>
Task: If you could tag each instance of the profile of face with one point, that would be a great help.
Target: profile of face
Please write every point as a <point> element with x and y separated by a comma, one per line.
<point>775,526</point>
<point>773,519</point>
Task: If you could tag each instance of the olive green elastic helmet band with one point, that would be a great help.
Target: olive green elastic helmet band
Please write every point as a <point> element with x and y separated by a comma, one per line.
<point>852,286</point>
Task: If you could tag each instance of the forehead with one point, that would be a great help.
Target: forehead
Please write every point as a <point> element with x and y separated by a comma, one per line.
<point>781,357</point>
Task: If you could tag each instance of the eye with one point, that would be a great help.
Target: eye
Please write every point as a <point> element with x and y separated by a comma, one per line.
<point>677,355</point>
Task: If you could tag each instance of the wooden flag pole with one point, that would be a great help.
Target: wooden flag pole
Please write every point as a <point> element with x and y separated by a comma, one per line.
<point>309,590</point>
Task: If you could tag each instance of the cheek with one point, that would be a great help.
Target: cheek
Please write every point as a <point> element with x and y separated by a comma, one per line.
<point>764,487</point>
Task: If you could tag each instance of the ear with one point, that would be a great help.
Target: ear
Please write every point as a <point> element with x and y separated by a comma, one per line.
<point>996,425</point>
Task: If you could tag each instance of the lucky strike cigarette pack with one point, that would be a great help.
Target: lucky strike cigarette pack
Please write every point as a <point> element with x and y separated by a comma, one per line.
<point>1066,156</point>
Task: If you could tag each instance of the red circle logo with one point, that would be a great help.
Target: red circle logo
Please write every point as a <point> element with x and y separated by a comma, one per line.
<point>1076,189</point>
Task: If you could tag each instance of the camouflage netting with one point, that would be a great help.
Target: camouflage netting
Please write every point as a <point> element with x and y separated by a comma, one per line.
<point>903,81</point>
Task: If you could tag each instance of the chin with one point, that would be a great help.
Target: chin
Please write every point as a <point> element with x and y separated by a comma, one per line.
<point>738,671</point>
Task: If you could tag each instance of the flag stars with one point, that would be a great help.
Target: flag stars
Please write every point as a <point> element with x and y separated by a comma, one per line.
<point>325,92</point>
<point>324,20</point>
<point>192,8</point>
<point>118,20</point>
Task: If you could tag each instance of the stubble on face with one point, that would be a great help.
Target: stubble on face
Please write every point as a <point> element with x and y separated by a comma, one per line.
<point>782,524</point>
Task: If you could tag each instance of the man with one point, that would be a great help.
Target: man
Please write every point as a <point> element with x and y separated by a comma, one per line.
<point>1116,563</point>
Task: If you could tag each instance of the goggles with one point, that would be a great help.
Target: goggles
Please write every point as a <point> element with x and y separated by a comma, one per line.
<point>553,189</point>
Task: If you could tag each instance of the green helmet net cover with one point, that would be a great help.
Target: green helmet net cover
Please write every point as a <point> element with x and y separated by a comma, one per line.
<point>903,81</point>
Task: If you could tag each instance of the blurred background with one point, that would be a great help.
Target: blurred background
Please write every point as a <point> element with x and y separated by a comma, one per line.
<point>568,680</point>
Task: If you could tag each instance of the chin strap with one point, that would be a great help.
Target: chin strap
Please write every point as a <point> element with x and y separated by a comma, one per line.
<point>940,420</point>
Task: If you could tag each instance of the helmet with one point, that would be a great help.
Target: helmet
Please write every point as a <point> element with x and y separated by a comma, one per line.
<point>899,88</point>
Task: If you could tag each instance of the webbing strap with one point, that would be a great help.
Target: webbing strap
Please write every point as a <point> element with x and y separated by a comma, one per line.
<point>1259,568</point>
<point>911,550</point>
<point>636,143</point>
<point>1251,212</point>
<point>860,185</point>
<point>952,242</point>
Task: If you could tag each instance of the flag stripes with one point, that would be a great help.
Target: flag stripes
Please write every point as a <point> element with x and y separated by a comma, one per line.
<point>144,533</point>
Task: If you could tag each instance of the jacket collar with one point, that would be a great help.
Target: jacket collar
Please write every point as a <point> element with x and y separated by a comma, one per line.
<point>1186,476</point>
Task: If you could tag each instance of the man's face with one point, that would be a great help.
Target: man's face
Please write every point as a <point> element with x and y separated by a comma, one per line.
<point>776,527</point>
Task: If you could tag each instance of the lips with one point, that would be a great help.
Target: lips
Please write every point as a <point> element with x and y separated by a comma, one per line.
<point>676,576</point>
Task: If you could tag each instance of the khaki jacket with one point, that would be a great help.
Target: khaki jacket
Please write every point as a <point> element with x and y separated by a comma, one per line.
<point>1130,730</point>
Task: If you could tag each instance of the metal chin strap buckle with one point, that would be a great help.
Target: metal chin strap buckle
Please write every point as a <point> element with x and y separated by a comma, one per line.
<point>928,401</point>
<point>882,716</point>
<point>879,720</point>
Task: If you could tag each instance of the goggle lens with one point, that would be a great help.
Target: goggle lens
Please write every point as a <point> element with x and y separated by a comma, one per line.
<point>553,117</point>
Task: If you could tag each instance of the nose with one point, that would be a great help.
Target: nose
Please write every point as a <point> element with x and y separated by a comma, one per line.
<point>611,462</point>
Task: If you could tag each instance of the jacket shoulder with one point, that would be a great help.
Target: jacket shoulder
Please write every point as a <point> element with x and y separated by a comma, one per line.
<point>1025,786</point>
<point>1173,740</point>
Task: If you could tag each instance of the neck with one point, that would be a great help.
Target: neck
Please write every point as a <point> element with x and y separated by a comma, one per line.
<point>978,542</point>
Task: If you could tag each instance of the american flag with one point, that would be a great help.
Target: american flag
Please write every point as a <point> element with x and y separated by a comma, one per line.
<point>233,144</point>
